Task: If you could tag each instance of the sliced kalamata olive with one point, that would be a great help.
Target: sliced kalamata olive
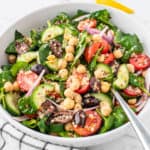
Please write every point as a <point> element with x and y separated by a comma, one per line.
<point>38,69</point>
<point>56,48</point>
<point>80,118</point>
<point>21,47</point>
<point>90,101</point>
<point>94,84</point>
<point>62,117</point>
<point>114,67</point>
<point>47,108</point>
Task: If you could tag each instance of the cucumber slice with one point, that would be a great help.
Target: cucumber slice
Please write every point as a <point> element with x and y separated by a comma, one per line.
<point>11,100</point>
<point>103,97</point>
<point>39,95</point>
<point>27,57</point>
<point>50,33</point>
<point>122,78</point>
<point>106,71</point>
<point>52,65</point>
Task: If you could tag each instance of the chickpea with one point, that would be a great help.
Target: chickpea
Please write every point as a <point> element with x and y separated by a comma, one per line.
<point>15,86</point>
<point>69,49</point>
<point>99,74</point>
<point>77,106</point>
<point>117,53</point>
<point>67,36</point>
<point>28,40</point>
<point>81,69</point>
<point>101,58</point>
<point>75,84</point>
<point>68,103</point>
<point>56,87</point>
<point>8,87</point>
<point>63,73</point>
<point>131,68</point>
<point>132,101</point>
<point>77,98</point>
<point>69,57</point>
<point>11,58</point>
<point>73,41</point>
<point>69,126</point>
<point>51,58</point>
<point>62,63</point>
<point>69,93</point>
<point>105,108</point>
<point>105,86</point>
<point>96,37</point>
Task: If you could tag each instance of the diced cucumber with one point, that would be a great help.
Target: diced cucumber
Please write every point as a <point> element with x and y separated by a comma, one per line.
<point>39,95</point>
<point>52,65</point>
<point>51,32</point>
<point>12,103</point>
<point>122,78</point>
<point>106,71</point>
<point>103,97</point>
<point>27,57</point>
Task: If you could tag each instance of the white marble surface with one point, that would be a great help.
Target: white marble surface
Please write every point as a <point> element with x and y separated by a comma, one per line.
<point>10,10</point>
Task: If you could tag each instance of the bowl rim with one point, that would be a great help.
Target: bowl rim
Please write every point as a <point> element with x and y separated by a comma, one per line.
<point>44,136</point>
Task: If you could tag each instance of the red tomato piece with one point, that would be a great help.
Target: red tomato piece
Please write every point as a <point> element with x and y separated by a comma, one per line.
<point>92,124</point>
<point>132,91</point>
<point>106,46</point>
<point>91,51</point>
<point>83,89</point>
<point>109,58</point>
<point>26,79</point>
<point>90,23</point>
<point>140,61</point>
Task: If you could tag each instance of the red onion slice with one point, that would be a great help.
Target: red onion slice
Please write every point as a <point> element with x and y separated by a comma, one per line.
<point>35,83</point>
<point>21,118</point>
<point>91,108</point>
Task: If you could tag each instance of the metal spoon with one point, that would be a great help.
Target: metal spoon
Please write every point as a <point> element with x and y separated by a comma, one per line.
<point>140,130</point>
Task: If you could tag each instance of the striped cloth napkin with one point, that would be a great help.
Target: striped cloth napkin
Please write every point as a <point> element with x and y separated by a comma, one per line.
<point>13,139</point>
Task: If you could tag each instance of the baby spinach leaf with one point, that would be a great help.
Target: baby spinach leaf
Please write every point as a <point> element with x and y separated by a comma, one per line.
<point>129,42</point>
<point>80,13</point>
<point>18,35</point>
<point>43,53</point>
<point>4,77</point>
<point>18,66</point>
<point>11,49</point>
<point>56,128</point>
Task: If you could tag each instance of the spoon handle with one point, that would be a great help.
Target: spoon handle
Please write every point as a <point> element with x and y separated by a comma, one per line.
<point>140,130</point>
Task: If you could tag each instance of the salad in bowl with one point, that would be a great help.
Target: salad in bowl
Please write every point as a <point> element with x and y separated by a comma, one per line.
<point>58,80</point>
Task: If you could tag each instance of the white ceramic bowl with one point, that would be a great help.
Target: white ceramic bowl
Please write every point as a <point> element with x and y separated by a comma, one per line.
<point>38,19</point>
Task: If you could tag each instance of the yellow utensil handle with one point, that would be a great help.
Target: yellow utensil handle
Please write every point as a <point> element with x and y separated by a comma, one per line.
<point>115,4</point>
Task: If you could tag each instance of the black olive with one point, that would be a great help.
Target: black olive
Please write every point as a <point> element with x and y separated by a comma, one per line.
<point>90,101</point>
<point>38,69</point>
<point>94,84</point>
<point>80,118</point>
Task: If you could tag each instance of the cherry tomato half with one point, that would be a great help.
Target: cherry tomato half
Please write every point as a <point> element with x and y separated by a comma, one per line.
<point>84,82</point>
<point>91,23</point>
<point>140,61</point>
<point>132,91</point>
<point>92,124</point>
<point>109,58</point>
<point>26,79</point>
<point>91,51</point>
<point>106,46</point>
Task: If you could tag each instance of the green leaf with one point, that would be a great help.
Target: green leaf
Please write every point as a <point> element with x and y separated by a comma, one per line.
<point>17,67</point>
<point>54,77</point>
<point>11,48</point>
<point>2,98</point>
<point>129,42</point>
<point>30,123</point>
<point>79,13</point>
<point>108,123</point>
<point>43,53</point>
<point>63,17</point>
<point>18,35</point>
<point>119,117</point>
<point>80,47</point>
<point>56,128</point>
<point>4,77</point>
<point>42,125</point>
